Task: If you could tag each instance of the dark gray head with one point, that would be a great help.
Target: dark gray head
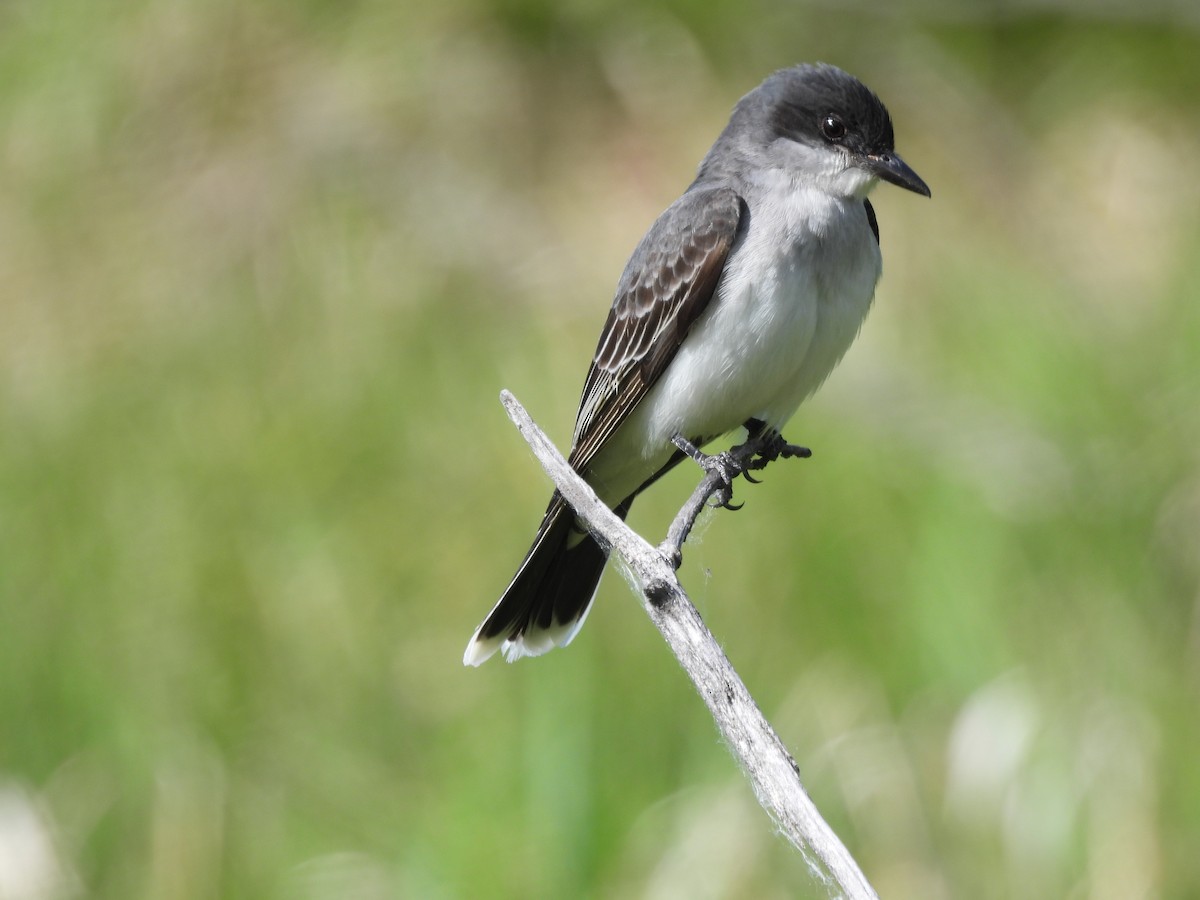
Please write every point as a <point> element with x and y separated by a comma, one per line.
<point>818,124</point>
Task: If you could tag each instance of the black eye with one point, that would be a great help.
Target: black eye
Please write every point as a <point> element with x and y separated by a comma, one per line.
<point>833,128</point>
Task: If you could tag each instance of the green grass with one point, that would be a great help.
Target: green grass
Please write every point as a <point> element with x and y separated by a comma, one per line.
<point>265,270</point>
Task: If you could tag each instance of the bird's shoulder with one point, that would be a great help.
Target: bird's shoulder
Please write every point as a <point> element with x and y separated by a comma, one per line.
<point>700,221</point>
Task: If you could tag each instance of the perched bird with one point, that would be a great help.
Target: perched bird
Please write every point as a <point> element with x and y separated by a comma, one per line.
<point>733,309</point>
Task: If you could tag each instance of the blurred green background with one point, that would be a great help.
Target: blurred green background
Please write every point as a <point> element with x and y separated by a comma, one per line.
<point>264,269</point>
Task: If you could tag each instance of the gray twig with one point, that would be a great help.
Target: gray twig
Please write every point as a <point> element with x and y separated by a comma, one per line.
<point>758,750</point>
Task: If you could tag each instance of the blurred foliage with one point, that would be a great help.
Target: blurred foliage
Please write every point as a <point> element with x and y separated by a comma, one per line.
<point>265,268</point>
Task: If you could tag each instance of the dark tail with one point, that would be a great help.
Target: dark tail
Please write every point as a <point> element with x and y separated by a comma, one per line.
<point>549,597</point>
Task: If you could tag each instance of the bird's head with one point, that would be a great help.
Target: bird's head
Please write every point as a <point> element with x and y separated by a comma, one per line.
<point>821,126</point>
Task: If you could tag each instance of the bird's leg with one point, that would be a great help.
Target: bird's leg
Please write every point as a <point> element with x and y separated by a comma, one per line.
<point>723,465</point>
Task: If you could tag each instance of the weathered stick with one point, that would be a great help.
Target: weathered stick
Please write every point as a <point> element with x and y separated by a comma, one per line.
<point>773,773</point>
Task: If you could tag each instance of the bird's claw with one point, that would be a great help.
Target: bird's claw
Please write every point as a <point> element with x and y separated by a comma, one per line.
<point>726,466</point>
<point>723,465</point>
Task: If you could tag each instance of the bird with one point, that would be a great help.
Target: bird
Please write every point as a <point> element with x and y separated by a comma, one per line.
<point>733,309</point>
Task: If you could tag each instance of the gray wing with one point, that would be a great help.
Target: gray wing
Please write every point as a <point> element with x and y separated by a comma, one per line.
<point>667,284</point>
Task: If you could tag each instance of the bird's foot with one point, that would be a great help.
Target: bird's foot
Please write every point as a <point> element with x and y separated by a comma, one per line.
<point>773,446</point>
<point>725,466</point>
<point>781,449</point>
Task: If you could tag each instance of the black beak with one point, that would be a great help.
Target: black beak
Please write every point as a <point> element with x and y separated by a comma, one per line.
<point>891,167</point>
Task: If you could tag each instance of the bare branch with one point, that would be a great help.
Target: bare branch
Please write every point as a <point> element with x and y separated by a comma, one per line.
<point>758,750</point>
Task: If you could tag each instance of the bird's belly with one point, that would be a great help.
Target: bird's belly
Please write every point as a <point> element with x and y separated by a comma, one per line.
<point>760,351</point>
<point>737,363</point>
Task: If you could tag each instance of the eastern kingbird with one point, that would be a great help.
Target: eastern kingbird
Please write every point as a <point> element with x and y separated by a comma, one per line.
<point>733,309</point>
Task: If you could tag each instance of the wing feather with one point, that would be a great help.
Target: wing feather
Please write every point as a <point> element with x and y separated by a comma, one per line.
<point>667,284</point>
